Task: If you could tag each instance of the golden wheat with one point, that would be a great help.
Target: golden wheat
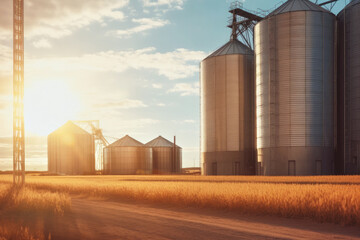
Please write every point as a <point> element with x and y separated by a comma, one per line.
<point>326,199</point>
<point>27,199</point>
<point>12,230</point>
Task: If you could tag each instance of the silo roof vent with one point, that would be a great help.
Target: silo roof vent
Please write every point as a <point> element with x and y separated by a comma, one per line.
<point>297,5</point>
<point>232,47</point>
<point>126,141</point>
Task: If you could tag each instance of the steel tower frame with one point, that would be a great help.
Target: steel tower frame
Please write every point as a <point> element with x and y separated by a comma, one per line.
<point>18,93</point>
<point>242,23</point>
<point>100,141</point>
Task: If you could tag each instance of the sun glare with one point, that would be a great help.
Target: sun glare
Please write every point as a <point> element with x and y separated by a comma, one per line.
<point>48,105</point>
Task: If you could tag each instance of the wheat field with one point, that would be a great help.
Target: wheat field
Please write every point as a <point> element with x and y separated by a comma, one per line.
<point>17,204</point>
<point>324,198</point>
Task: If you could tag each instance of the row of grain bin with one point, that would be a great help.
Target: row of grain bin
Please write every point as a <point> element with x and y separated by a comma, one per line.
<point>306,99</point>
<point>128,156</point>
<point>71,151</point>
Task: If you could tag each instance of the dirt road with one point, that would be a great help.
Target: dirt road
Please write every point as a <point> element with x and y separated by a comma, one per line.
<point>91,219</point>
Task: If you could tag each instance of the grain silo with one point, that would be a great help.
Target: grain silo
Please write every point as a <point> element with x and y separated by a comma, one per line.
<point>295,69</point>
<point>167,159</point>
<point>348,154</point>
<point>71,151</point>
<point>227,111</point>
<point>127,156</point>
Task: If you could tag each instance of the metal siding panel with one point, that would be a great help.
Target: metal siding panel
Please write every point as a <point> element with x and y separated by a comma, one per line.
<point>220,103</point>
<point>209,105</point>
<point>290,100</point>
<point>262,82</point>
<point>131,160</point>
<point>249,103</point>
<point>297,78</point>
<point>203,99</point>
<point>234,99</point>
<point>349,78</point>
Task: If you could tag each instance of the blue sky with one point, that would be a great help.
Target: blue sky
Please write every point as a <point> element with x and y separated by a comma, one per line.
<point>132,64</point>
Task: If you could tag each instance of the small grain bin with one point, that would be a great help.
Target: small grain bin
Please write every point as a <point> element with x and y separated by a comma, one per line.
<point>167,159</point>
<point>71,151</point>
<point>127,156</point>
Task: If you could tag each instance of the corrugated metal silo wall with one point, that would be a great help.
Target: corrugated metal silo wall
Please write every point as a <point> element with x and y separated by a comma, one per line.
<point>349,91</point>
<point>128,160</point>
<point>164,162</point>
<point>107,160</point>
<point>227,115</point>
<point>71,154</point>
<point>295,104</point>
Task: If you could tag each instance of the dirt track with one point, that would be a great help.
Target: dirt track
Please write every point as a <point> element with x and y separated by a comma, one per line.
<point>91,219</point>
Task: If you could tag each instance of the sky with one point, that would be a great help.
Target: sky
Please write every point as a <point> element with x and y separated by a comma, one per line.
<point>131,64</point>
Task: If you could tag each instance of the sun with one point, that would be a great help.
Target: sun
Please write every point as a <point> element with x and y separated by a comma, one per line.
<point>48,105</point>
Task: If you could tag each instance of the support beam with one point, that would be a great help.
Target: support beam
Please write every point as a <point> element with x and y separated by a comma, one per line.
<point>327,2</point>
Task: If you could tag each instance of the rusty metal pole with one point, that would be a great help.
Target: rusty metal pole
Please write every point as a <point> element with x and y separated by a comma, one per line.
<point>18,93</point>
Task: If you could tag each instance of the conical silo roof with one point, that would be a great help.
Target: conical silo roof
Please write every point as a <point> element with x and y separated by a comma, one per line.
<point>70,128</point>
<point>160,142</point>
<point>297,5</point>
<point>232,47</point>
<point>126,141</point>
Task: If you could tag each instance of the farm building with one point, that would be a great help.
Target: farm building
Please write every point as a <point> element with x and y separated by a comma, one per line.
<point>71,151</point>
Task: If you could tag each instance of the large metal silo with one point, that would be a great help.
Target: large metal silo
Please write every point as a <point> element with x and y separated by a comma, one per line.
<point>295,104</point>
<point>348,154</point>
<point>71,151</point>
<point>228,111</point>
<point>127,156</point>
<point>167,159</point>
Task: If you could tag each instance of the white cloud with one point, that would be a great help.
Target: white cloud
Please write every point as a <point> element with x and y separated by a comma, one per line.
<point>189,121</point>
<point>59,18</point>
<point>144,24</point>
<point>186,89</point>
<point>123,104</point>
<point>121,126</point>
<point>176,4</point>
<point>177,64</point>
<point>42,43</point>
<point>5,103</point>
<point>116,15</point>
<point>157,85</point>
<point>161,104</point>
<point>5,60</point>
